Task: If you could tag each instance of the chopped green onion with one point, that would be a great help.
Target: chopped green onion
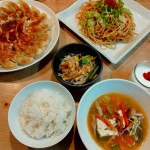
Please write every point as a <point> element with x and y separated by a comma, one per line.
<point>93,72</point>
<point>85,60</point>
<point>97,15</point>
<point>122,18</point>
<point>91,22</point>
<point>115,147</point>
<point>91,29</point>
<point>89,14</point>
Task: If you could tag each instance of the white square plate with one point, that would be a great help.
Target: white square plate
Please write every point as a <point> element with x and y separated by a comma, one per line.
<point>141,18</point>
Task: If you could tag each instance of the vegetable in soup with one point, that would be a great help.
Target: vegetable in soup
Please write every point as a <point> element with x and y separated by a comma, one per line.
<point>117,122</point>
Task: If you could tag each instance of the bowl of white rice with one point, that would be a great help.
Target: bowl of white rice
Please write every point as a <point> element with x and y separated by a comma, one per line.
<point>41,114</point>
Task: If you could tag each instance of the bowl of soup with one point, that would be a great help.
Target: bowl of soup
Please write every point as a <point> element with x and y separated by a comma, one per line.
<point>113,115</point>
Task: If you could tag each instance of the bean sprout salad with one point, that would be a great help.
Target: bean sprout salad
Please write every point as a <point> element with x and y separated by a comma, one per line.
<point>78,69</point>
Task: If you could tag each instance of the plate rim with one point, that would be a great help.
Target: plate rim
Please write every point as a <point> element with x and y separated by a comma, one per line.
<point>82,115</point>
<point>124,51</point>
<point>56,27</point>
<point>24,92</point>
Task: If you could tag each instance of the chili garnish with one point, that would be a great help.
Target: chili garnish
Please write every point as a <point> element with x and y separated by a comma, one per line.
<point>146,75</point>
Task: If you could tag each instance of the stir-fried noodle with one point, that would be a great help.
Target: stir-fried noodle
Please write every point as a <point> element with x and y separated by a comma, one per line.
<point>106,22</point>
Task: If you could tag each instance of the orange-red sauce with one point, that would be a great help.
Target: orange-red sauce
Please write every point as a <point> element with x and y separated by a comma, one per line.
<point>107,142</point>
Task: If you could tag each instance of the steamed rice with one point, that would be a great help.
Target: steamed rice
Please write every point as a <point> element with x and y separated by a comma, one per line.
<point>44,114</point>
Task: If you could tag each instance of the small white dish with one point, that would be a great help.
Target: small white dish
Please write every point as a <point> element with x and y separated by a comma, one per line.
<point>141,68</point>
<point>13,114</point>
<point>137,74</point>
<point>67,16</point>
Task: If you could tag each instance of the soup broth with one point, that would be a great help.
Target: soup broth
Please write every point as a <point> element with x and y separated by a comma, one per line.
<point>117,122</point>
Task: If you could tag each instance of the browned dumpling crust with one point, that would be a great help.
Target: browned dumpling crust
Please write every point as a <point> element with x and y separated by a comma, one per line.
<point>24,33</point>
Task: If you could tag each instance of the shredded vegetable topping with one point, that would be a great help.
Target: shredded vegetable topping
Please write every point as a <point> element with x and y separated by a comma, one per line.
<point>77,69</point>
<point>106,22</point>
<point>116,122</point>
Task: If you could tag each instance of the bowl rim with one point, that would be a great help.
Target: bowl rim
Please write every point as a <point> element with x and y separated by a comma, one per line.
<point>82,85</point>
<point>80,131</point>
<point>43,143</point>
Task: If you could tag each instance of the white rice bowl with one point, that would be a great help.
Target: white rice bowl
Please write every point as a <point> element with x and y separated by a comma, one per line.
<point>41,114</point>
<point>44,114</point>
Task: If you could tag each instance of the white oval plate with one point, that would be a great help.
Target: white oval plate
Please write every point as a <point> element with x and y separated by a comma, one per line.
<point>55,31</point>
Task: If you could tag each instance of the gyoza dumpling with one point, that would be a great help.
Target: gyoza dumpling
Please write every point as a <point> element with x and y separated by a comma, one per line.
<point>14,8</point>
<point>38,21</point>
<point>7,12</point>
<point>26,9</point>
<point>21,59</point>
<point>35,13</point>
<point>5,56</point>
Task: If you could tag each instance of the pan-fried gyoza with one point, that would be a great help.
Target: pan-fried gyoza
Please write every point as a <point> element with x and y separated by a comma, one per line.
<point>24,33</point>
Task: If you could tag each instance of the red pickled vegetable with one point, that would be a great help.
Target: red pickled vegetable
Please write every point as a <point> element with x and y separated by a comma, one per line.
<point>104,107</point>
<point>124,114</point>
<point>121,124</point>
<point>113,3</point>
<point>146,75</point>
<point>117,139</point>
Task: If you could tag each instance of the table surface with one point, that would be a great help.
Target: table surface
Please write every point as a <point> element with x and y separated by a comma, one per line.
<point>11,83</point>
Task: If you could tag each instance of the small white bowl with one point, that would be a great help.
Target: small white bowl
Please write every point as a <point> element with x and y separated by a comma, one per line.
<point>137,74</point>
<point>107,86</point>
<point>13,114</point>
